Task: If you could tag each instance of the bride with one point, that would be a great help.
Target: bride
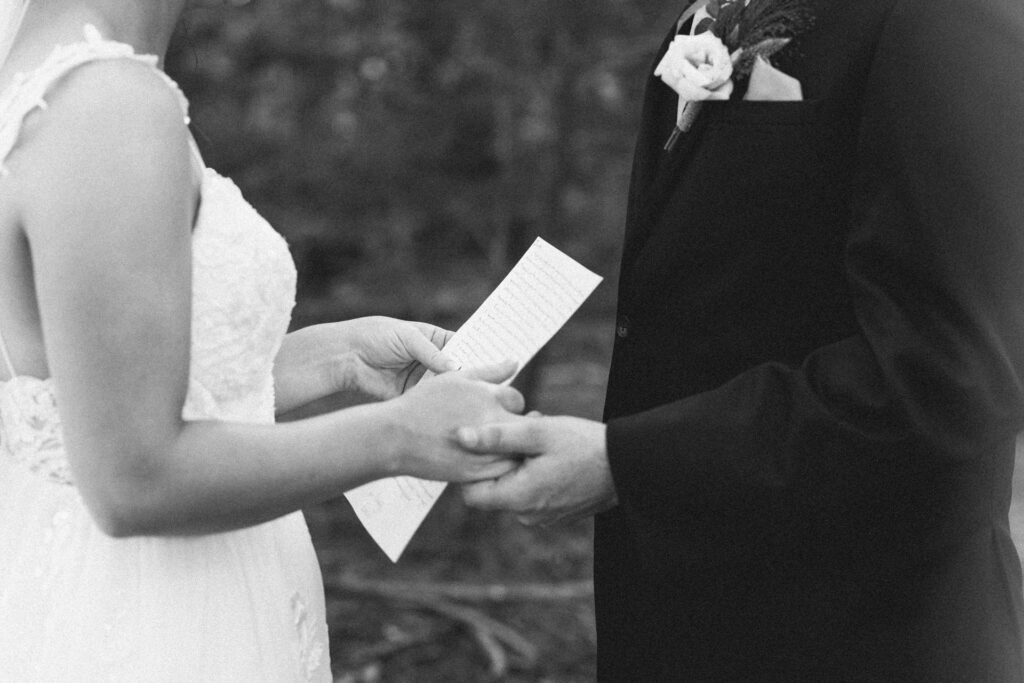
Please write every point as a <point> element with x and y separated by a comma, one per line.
<point>149,506</point>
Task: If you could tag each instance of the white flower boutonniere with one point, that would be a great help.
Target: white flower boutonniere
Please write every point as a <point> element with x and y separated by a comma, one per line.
<point>697,67</point>
<point>727,44</point>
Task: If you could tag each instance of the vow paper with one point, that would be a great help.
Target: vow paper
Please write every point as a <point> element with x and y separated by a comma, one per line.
<point>530,305</point>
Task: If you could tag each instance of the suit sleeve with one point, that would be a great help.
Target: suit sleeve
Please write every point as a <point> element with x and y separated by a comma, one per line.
<point>935,265</point>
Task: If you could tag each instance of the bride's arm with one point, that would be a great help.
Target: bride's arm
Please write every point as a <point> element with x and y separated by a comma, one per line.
<point>107,197</point>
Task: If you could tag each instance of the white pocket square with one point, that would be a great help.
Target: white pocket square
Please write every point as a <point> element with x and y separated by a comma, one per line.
<point>769,84</point>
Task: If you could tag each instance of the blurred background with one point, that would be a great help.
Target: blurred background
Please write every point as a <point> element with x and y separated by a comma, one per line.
<point>410,151</point>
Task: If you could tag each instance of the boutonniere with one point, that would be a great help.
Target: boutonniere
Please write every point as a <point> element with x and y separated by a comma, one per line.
<point>727,44</point>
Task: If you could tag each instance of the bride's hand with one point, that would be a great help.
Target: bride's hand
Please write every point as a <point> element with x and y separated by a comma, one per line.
<point>428,417</point>
<point>377,356</point>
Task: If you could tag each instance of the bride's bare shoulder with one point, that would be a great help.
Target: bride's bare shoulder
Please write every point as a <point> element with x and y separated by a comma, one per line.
<point>107,99</point>
<point>107,124</point>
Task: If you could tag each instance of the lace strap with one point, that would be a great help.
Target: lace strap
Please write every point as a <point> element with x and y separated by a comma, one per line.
<point>28,90</point>
<point>7,358</point>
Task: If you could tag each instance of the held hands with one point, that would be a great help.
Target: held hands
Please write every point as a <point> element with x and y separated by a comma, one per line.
<point>385,359</point>
<point>428,416</point>
<point>377,356</point>
<point>565,474</point>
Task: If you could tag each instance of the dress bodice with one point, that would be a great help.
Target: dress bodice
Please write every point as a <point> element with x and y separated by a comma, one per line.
<point>243,291</point>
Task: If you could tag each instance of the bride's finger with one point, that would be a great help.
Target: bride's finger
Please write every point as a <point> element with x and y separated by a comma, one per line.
<point>516,435</point>
<point>489,468</point>
<point>510,399</point>
<point>495,373</point>
<point>421,349</point>
<point>413,376</point>
<point>438,336</point>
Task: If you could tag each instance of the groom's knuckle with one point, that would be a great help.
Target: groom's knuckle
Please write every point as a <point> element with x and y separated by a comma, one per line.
<point>490,438</point>
<point>500,438</point>
<point>534,433</point>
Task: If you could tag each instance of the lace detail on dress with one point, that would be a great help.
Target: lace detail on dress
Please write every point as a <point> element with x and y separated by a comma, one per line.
<point>27,92</point>
<point>312,636</point>
<point>244,291</point>
<point>30,431</point>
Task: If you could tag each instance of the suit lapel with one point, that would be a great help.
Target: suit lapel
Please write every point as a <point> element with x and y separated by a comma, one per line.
<point>653,168</point>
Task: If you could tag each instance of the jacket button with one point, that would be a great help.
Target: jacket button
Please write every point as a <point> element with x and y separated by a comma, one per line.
<point>622,327</point>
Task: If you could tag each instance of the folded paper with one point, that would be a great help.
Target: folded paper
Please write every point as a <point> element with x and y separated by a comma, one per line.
<point>531,304</point>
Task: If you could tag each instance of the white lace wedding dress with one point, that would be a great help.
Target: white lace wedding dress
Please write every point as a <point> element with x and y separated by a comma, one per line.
<point>76,605</point>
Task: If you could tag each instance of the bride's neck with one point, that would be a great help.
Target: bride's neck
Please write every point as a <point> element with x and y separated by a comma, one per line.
<point>147,26</point>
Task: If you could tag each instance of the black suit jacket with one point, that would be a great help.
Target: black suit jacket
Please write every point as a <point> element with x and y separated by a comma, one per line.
<point>818,373</point>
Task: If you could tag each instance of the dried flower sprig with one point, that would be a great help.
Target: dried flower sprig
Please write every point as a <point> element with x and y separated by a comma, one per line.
<point>755,28</point>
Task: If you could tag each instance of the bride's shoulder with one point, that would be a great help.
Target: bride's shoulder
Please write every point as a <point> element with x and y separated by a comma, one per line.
<point>107,100</point>
<point>111,143</point>
<point>105,122</point>
<point>117,80</point>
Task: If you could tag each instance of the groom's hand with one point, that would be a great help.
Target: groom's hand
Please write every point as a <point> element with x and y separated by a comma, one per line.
<point>564,474</point>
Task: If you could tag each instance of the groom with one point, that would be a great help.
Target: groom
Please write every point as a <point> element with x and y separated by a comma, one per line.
<point>818,369</point>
